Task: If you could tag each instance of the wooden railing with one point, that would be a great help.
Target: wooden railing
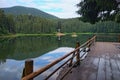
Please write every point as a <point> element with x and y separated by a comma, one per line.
<point>28,73</point>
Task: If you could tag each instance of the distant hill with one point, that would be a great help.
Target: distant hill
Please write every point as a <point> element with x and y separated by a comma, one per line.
<point>17,10</point>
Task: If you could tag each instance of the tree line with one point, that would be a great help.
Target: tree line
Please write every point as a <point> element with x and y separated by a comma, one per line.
<point>25,24</point>
<point>29,24</point>
<point>33,24</point>
<point>75,25</point>
<point>6,23</point>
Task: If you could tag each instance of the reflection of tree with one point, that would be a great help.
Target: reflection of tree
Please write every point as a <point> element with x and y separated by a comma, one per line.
<point>7,46</point>
<point>59,41</point>
<point>21,48</point>
<point>2,61</point>
<point>31,47</point>
<point>107,38</point>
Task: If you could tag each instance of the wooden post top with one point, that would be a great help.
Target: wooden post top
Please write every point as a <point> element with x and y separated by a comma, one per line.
<point>77,44</point>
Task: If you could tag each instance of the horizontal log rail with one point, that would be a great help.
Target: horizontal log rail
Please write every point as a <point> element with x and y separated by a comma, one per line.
<point>59,68</point>
<point>74,54</point>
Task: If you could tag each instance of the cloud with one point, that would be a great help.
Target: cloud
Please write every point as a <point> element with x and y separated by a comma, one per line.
<point>6,3</point>
<point>68,8</point>
<point>26,1</point>
<point>59,8</point>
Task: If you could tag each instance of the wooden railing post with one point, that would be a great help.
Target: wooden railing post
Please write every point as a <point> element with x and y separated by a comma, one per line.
<point>78,53</point>
<point>28,68</point>
<point>89,43</point>
<point>71,61</point>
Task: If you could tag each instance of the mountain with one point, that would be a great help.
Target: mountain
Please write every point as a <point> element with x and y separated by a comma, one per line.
<point>18,10</point>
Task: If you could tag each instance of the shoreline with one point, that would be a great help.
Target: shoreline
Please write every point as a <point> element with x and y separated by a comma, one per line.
<point>52,34</point>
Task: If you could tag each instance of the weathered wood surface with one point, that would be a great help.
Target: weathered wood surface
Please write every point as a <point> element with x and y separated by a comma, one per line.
<point>102,63</point>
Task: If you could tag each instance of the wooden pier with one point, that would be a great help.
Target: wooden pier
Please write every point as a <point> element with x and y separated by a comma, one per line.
<point>101,63</point>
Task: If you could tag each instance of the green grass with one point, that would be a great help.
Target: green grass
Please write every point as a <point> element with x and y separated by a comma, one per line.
<point>92,33</point>
<point>20,35</point>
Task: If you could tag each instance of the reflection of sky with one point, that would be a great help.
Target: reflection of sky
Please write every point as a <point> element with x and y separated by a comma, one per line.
<point>12,69</point>
<point>48,58</point>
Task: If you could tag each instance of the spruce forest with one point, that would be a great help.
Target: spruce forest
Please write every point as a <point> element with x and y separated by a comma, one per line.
<point>31,24</point>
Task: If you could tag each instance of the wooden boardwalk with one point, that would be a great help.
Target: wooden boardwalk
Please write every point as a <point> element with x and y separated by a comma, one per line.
<point>102,63</point>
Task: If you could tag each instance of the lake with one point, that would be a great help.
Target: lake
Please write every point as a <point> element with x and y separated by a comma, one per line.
<point>42,49</point>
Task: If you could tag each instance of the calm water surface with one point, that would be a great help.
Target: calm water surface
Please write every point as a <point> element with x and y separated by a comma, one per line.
<point>42,49</point>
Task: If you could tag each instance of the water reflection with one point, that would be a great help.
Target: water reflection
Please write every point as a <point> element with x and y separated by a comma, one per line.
<point>21,48</point>
<point>13,68</point>
<point>42,49</point>
<point>108,38</point>
<point>50,57</point>
<point>26,47</point>
<point>13,52</point>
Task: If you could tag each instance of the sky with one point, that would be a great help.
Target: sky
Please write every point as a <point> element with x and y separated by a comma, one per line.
<point>59,8</point>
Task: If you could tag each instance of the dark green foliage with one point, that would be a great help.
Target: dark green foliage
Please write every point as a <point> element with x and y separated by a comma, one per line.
<point>106,27</point>
<point>29,20</point>
<point>20,10</point>
<point>10,23</point>
<point>6,23</point>
<point>117,17</point>
<point>25,24</point>
<point>89,10</point>
<point>94,10</point>
<point>32,24</point>
<point>74,25</point>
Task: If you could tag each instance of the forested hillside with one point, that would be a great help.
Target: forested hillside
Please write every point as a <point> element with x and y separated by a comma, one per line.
<point>32,24</point>
<point>20,10</point>
<point>25,24</point>
<point>7,23</point>
<point>29,24</point>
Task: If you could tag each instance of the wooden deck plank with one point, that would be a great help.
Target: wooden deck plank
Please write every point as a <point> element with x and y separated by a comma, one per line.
<point>115,71</point>
<point>93,75</point>
<point>118,63</point>
<point>119,55</point>
<point>101,69</point>
<point>87,72</point>
<point>101,63</point>
<point>108,71</point>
